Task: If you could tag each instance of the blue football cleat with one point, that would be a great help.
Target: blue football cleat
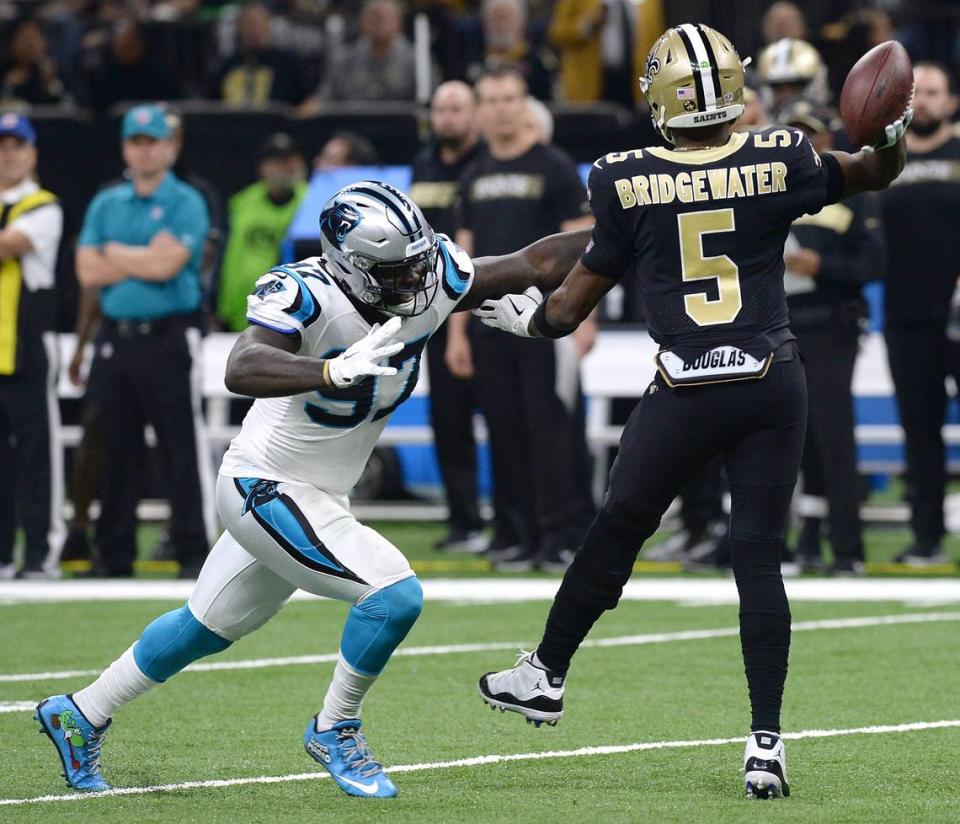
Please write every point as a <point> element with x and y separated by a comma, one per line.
<point>344,752</point>
<point>76,739</point>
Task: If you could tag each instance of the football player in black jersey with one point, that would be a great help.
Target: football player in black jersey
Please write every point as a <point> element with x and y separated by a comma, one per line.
<point>703,226</point>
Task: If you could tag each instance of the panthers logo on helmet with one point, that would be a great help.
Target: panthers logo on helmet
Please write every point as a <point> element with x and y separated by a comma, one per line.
<point>338,221</point>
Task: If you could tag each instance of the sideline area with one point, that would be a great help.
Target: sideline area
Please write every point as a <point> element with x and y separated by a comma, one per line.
<point>707,591</point>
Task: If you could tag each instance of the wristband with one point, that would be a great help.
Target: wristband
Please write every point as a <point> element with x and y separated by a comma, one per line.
<point>326,372</point>
<point>543,325</point>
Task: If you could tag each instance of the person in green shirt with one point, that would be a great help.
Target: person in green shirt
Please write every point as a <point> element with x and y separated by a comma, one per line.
<point>259,216</point>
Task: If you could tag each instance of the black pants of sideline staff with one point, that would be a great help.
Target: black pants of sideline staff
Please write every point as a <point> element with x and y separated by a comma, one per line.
<point>921,357</point>
<point>145,377</point>
<point>530,394</point>
<point>452,403</point>
<point>830,452</point>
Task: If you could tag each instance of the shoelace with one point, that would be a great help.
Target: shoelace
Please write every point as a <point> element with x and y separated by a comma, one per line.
<point>357,753</point>
<point>93,751</point>
<point>521,656</point>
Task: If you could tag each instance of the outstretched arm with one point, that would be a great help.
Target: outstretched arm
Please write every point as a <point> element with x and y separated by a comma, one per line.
<point>265,364</point>
<point>543,264</point>
<point>871,171</point>
<point>875,168</point>
<point>528,315</point>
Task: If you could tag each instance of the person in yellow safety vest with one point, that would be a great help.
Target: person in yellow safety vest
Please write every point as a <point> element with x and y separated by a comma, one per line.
<point>31,223</point>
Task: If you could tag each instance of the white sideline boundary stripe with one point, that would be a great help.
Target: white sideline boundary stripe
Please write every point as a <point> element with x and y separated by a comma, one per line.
<point>481,760</point>
<point>929,591</point>
<point>450,649</point>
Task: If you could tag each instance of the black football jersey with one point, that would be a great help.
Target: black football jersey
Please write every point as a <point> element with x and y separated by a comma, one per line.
<point>703,231</point>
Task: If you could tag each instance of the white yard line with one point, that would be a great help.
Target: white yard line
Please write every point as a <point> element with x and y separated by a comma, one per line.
<point>452,649</point>
<point>705,591</point>
<point>17,706</point>
<point>481,760</point>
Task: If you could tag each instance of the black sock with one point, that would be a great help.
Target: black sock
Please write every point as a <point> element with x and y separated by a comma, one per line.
<point>593,583</point>
<point>764,626</point>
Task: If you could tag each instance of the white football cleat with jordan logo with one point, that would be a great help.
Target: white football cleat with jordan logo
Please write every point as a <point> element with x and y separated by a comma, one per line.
<point>529,689</point>
<point>765,766</point>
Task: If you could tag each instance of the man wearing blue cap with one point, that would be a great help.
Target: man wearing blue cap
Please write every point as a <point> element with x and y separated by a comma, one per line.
<point>141,245</point>
<point>31,223</point>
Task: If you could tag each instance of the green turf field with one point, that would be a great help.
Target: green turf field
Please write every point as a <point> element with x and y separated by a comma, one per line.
<point>225,725</point>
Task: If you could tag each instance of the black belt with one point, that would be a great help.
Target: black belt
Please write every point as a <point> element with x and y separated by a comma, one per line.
<point>140,327</point>
<point>785,352</point>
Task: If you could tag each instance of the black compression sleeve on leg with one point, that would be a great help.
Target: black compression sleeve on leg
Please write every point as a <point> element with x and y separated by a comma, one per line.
<point>764,626</point>
<point>593,583</point>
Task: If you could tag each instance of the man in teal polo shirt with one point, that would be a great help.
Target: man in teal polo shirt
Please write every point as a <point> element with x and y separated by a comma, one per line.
<point>141,245</point>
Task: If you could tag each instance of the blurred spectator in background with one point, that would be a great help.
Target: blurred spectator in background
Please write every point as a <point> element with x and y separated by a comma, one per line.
<point>31,454</point>
<point>436,175</point>
<point>29,74</point>
<point>126,67</point>
<point>345,149</point>
<point>538,120</point>
<point>921,213</point>
<point>259,73</point>
<point>504,42</point>
<point>213,244</point>
<point>142,246</point>
<point>259,218</point>
<point>754,115</point>
<point>516,191</point>
<point>603,45</point>
<point>788,70</point>
<point>829,256</point>
<point>86,471</point>
<point>379,66</point>
<point>783,20</point>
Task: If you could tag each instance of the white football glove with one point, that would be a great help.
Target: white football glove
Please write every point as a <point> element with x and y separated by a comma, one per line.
<point>360,360</point>
<point>894,132</point>
<point>511,313</point>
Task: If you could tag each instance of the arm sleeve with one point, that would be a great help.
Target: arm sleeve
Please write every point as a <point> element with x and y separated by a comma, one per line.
<point>813,181</point>
<point>190,223</point>
<point>43,226</point>
<point>92,233</point>
<point>610,249</point>
<point>567,194</point>
<point>283,302</point>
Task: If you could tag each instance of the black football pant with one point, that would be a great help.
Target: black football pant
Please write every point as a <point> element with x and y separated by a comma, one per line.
<point>31,457</point>
<point>529,391</point>
<point>920,359</point>
<point>701,500</point>
<point>146,378</point>
<point>829,464</point>
<point>452,403</point>
<point>757,427</point>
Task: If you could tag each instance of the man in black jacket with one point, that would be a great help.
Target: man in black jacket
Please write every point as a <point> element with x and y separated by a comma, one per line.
<point>921,214</point>
<point>829,256</point>
<point>436,177</point>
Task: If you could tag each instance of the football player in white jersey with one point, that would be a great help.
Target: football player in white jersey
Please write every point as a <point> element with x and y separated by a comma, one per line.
<point>333,347</point>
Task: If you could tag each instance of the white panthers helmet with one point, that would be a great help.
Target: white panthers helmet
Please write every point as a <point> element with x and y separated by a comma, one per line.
<point>380,247</point>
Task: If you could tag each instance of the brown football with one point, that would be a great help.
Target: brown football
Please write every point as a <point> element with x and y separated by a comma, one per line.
<point>876,92</point>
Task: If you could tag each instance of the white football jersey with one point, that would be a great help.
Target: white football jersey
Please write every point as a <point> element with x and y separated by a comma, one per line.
<point>325,437</point>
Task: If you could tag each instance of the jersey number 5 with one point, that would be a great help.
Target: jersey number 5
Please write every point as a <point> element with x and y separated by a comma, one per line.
<point>694,266</point>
